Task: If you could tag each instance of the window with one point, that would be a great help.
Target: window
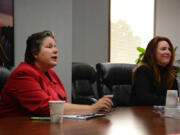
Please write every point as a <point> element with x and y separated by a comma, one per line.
<point>131,25</point>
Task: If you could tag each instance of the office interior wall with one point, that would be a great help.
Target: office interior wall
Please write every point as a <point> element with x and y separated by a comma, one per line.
<point>90,31</point>
<point>56,15</point>
<point>168,21</point>
<point>90,28</point>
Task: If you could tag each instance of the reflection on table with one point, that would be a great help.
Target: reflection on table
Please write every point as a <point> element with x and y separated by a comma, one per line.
<point>121,121</point>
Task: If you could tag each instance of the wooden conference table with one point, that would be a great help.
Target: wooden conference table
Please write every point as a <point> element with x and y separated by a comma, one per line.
<point>121,121</point>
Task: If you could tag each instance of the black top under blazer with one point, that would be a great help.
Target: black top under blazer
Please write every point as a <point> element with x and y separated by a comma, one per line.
<point>146,90</point>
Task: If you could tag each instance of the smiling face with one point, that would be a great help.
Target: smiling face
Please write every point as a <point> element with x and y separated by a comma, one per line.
<point>163,53</point>
<point>48,54</point>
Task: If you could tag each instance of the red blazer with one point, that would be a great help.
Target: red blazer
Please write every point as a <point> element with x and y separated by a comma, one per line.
<point>28,90</point>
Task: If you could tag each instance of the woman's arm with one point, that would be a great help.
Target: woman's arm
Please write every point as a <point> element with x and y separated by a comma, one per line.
<point>104,103</point>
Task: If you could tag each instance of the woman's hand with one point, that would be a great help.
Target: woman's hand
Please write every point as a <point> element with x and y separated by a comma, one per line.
<point>104,103</point>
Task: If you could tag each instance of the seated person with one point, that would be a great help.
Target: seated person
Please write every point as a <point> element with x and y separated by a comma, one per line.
<point>33,83</point>
<point>155,74</point>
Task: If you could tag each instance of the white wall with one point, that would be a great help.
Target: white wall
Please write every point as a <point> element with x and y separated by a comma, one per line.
<point>90,28</point>
<point>168,21</point>
<point>90,31</point>
<point>56,15</point>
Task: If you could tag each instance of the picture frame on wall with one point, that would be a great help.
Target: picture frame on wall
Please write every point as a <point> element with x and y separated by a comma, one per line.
<point>6,33</point>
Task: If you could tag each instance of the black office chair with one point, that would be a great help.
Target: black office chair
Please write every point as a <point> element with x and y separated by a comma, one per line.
<point>4,74</point>
<point>84,88</point>
<point>115,78</point>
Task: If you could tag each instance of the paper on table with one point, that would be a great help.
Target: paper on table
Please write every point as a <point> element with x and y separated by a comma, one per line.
<point>84,116</point>
<point>168,112</point>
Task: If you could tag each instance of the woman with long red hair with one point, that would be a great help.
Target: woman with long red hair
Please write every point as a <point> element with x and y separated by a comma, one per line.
<point>155,74</point>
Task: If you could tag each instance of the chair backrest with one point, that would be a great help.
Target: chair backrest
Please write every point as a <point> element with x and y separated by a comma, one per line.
<point>4,74</point>
<point>115,78</point>
<point>84,85</point>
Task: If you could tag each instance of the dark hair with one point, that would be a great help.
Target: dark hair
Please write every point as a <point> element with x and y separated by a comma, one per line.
<point>149,60</point>
<point>33,44</point>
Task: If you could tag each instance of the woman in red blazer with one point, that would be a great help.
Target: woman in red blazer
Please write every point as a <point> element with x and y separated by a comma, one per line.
<point>33,83</point>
